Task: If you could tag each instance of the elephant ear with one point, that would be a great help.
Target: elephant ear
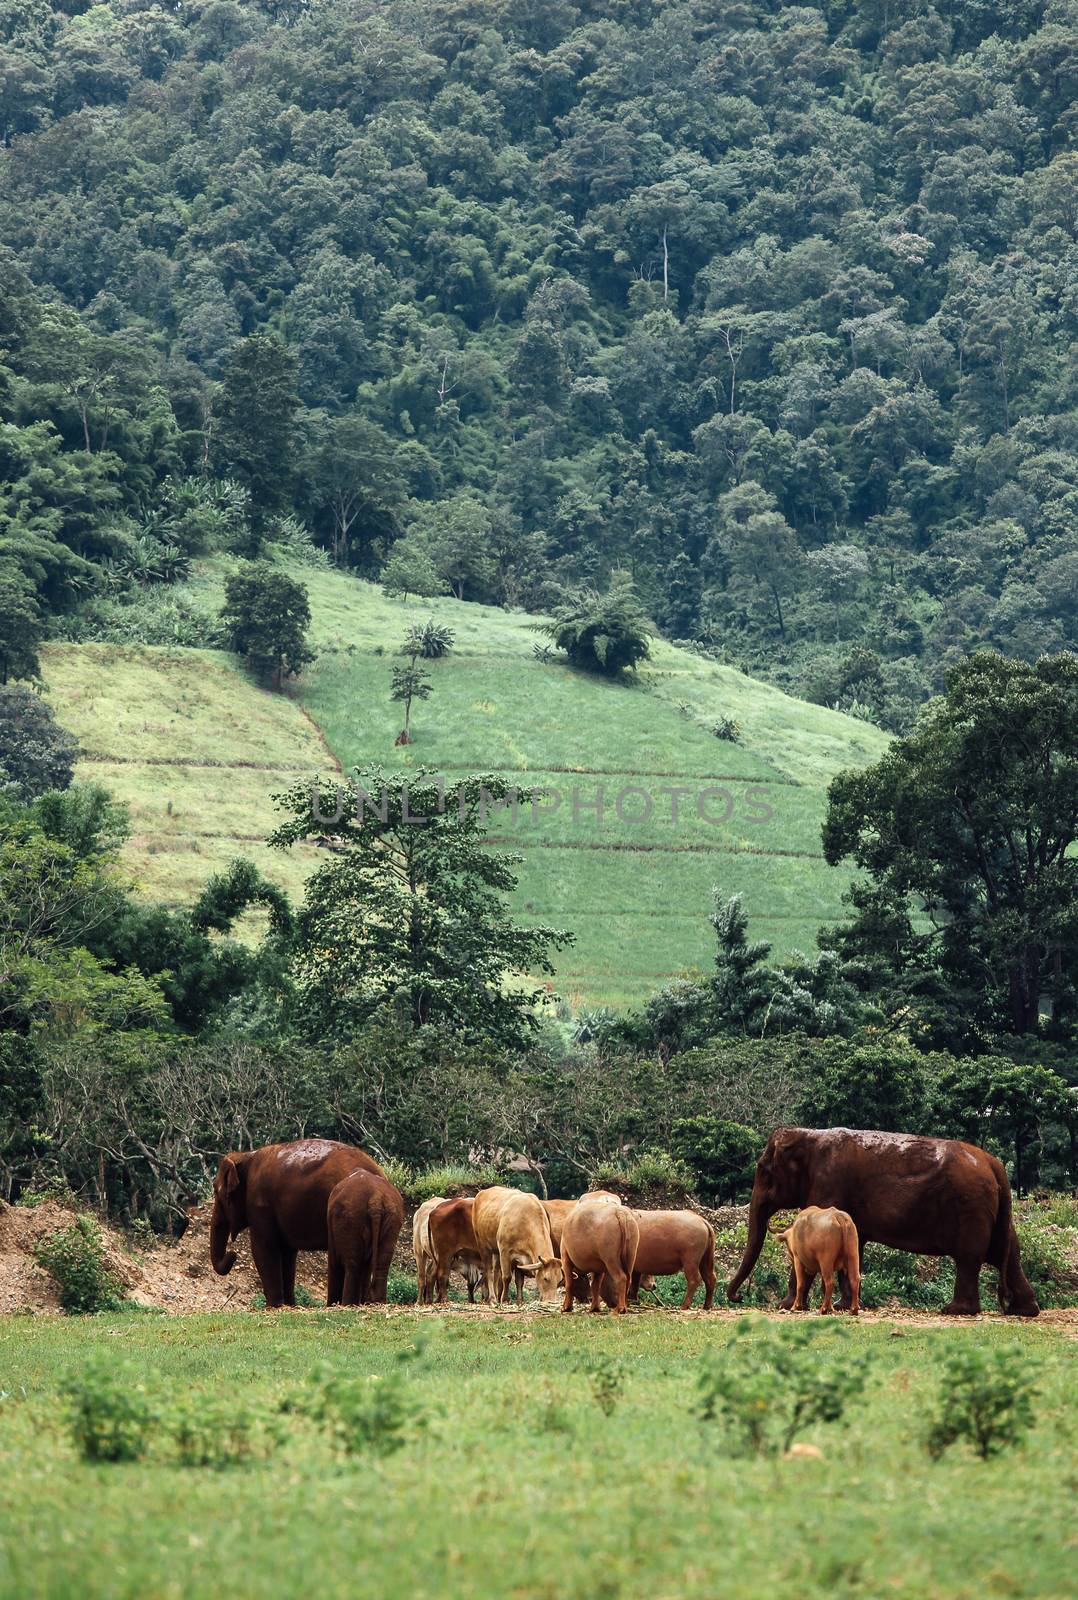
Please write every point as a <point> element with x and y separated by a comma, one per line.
<point>230,1176</point>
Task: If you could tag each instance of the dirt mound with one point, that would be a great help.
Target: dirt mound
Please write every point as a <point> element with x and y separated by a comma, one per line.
<point>171,1275</point>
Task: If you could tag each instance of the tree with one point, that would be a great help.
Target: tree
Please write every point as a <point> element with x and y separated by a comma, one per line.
<point>606,633</point>
<point>353,478</point>
<point>409,569</point>
<point>408,918</point>
<point>975,815</point>
<point>255,435</point>
<point>267,616</point>
<point>410,683</point>
<point>20,628</point>
<point>36,753</point>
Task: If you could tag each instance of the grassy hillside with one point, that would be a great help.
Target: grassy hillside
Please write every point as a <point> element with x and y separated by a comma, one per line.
<point>635,892</point>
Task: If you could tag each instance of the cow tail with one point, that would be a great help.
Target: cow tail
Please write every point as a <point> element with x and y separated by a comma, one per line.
<point>628,1248</point>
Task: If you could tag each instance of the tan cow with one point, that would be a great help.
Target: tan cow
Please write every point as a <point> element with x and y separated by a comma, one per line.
<point>423,1252</point>
<point>676,1241</point>
<point>453,1244</point>
<point>513,1235</point>
<point>600,1237</point>
<point>823,1240</point>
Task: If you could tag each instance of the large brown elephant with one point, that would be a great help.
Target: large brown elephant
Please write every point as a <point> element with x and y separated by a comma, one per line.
<point>281,1193</point>
<point>935,1197</point>
<point>365,1216</point>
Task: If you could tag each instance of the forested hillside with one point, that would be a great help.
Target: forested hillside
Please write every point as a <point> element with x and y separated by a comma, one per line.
<point>772,305</point>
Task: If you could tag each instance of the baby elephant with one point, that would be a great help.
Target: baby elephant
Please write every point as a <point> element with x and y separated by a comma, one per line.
<point>823,1240</point>
<point>365,1215</point>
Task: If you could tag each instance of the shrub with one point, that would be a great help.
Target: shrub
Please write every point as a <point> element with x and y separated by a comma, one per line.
<point>1050,1257</point>
<point>374,1415</point>
<point>215,1433</point>
<point>772,1381</point>
<point>720,1154</point>
<point>429,639</point>
<point>653,1177</point>
<point>605,633</point>
<point>401,1289</point>
<point>897,1275</point>
<point>108,1412</point>
<point>771,1274</point>
<point>727,728</point>
<point>450,1181</point>
<point>607,1378</point>
<point>304,1298</point>
<point>75,1259</point>
<point>984,1396</point>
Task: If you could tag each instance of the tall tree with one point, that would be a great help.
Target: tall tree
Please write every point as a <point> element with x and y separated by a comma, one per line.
<point>255,428</point>
<point>975,816</point>
<point>267,615</point>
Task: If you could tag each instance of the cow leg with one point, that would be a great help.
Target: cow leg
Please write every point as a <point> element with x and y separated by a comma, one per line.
<point>966,1301</point>
<point>707,1272</point>
<point>596,1288</point>
<point>804,1278</point>
<point>791,1292</point>
<point>827,1273</point>
<point>693,1281</point>
<point>634,1288</point>
<point>568,1284</point>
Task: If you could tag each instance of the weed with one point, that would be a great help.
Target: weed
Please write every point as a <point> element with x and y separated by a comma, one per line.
<point>375,1415</point>
<point>607,1381</point>
<point>770,1382</point>
<point>985,1396</point>
<point>304,1298</point>
<point>215,1433</point>
<point>109,1413</point>
<point>75,1259</point>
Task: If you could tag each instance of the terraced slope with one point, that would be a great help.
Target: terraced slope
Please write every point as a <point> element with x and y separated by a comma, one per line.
<point>610,860</point>
<point>195,749</point>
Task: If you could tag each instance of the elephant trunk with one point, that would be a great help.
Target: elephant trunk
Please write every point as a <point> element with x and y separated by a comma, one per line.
<point>222,1257</point>
<point>760,1214</point>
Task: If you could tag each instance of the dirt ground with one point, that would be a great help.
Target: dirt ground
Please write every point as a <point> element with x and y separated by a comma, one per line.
<point>176,1275</point>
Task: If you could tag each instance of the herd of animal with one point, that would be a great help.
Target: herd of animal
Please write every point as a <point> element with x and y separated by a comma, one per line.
<point>848,1186</point>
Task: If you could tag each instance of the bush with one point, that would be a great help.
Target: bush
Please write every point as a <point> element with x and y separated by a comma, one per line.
<point>215,1433</point>
<point>365,1415</point>
<point>607,1378</point>
<point>429,639</point>
<point>75,1259</point>
<point>771,1274</point>
<point>606,633</point>
<point>921,1281</point>
<point>448,1181</point>
<point>108,1412</point>
<point>653,1179</point>
<point>720,1154</point>
<point>772,1381</point>
<point>986,1397</point>
<point>727,728</point>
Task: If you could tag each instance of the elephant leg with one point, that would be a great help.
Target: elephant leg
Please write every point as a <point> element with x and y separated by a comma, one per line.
<point>335,1279</point>
<point>350,1296</point>
<point>267,1260</point>
<point>791,1292</point>
<point>288,1275</point>
<point>966,1301</point>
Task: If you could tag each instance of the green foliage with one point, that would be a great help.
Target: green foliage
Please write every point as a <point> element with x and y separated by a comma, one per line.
<point>254,435</point>
<point>653,1178</point>
<point>985,1397</point>
<point>36,753</point>
<point>376,1415</point>
<point>771,1382</point>
<point>429,639</point>
<point>721,1155</point>
<point>409,569</point>
<point>75,1259</point>
<point>408,918</point>
<point>207,1432</point>
<point>606,1376</point>
<point>109,1413</point>
<point>605,633</point>
<point>21,628</point>
<point>450,1181</point>
<point>267,616</point>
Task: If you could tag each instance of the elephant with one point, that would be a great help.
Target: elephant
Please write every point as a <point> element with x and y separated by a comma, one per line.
<point>281,1192</point>
<point>365,1215</point>
<point>935,1197</point>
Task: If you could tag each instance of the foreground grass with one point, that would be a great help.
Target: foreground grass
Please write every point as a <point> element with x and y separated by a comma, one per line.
<point>520,1485</point>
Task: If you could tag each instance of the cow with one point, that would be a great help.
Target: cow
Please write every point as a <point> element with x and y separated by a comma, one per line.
<point>513,1235</point>
<point>675,1241</point>
<point>422,1250</point>
<point>453,1243</point>
<point>822,1239</point>
<point>600,1236</point>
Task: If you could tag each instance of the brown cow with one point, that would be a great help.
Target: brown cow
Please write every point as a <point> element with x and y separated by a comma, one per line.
<point>513,1235</point>
<point>676,1241</point>
<point>421,1249</point>
<point>452,1243</point>
<point>823,1239</point>
<point>600,1236</point>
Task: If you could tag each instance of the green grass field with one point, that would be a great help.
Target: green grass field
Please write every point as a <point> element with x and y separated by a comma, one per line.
<point>203,750</point>
<point>520,1485</point>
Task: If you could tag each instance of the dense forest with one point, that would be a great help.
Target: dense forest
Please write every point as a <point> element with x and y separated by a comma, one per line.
<point>772,306</point>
